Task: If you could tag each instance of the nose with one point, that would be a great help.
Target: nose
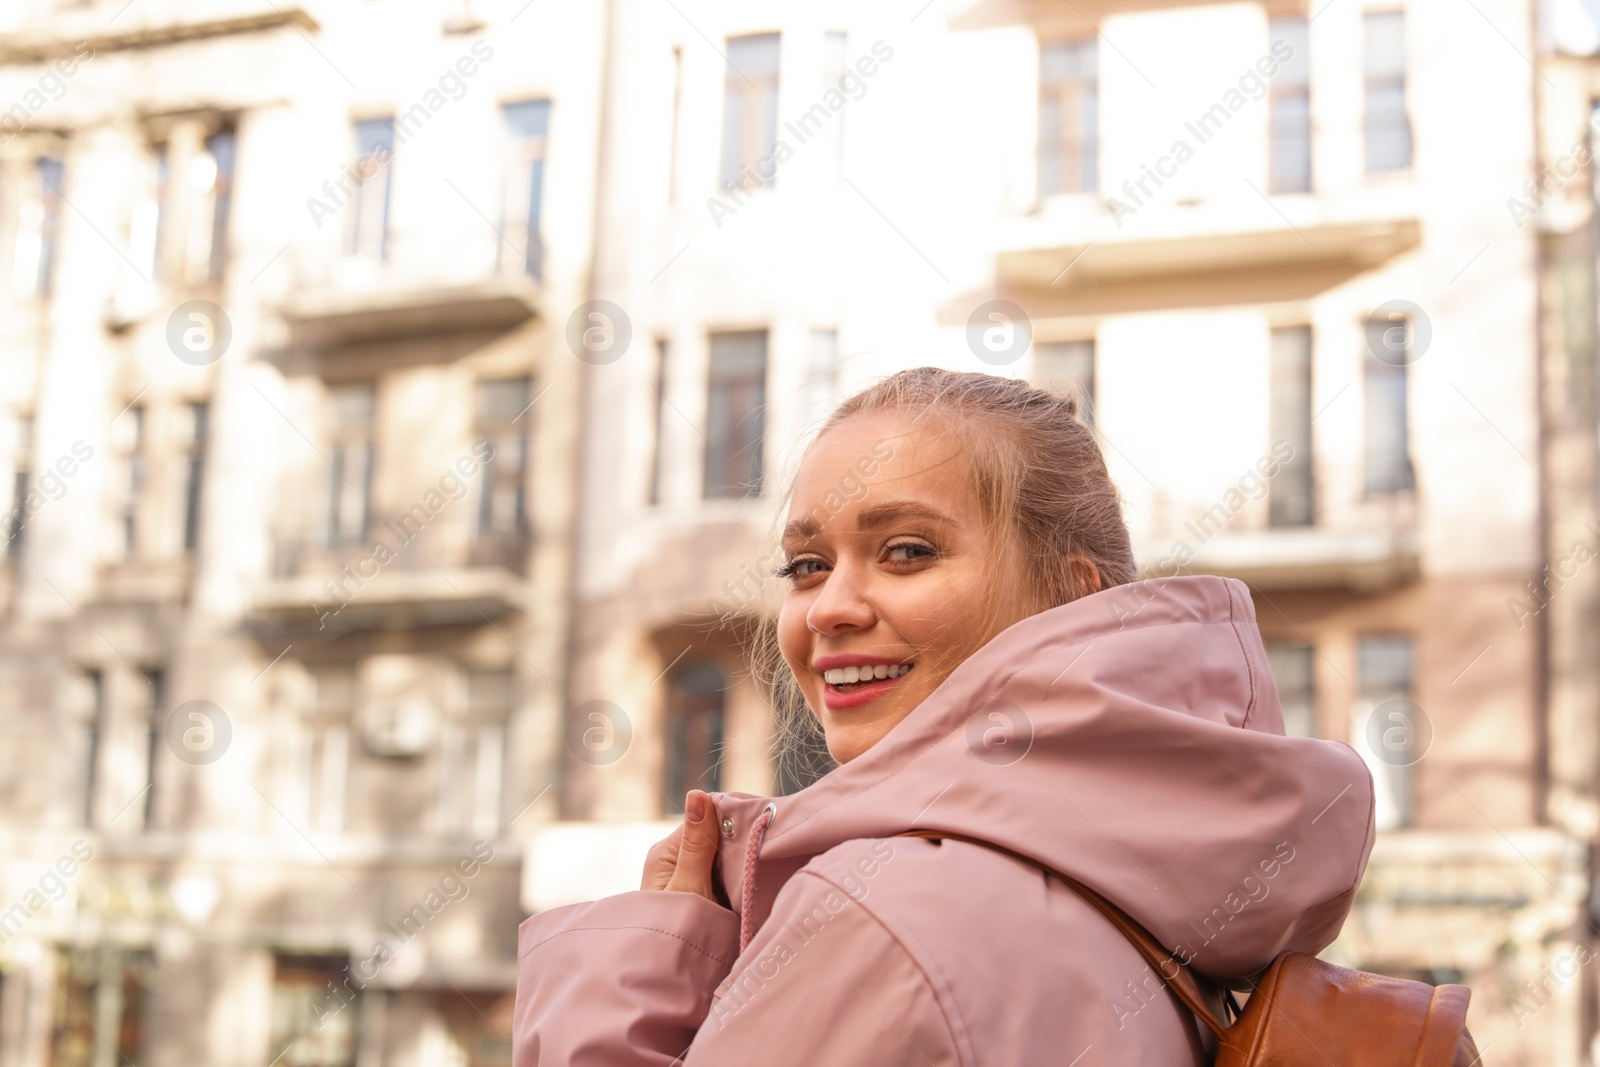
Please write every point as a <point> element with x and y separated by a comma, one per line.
<point>840,605</point>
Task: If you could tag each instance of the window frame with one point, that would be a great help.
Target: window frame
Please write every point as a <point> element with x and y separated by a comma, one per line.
<point>1079,93</point>
<point>1306,652</point>
<point>526,157</point>
<point>1282,512</point>
<point>1374,85</point>
<point>1283,92</point>
<point>750,99</point>
<point>1395,474</point>
<point>742,463</point>
<point>678,763</point>
<point>341,436</point>
<point>1084,388</point>
<point>374,192</point>
<point>496,476</point>
<point>1396,804</point>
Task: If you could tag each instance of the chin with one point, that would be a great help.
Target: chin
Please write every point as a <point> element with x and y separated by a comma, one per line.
<point>843,751</point>
<point>845,744</point>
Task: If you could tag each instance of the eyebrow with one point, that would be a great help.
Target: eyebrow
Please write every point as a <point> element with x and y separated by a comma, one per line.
<point>872,518</point>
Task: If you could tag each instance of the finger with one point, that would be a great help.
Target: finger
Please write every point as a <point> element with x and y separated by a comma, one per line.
<point>698,848</point>
<point>660,861</point>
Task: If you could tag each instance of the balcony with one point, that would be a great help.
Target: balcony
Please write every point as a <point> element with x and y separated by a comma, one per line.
<point>1363,561</point>
<point>354,587</point>
<point>53,31</point>
<point>1202,253</point>
<point>1373,547</point>
<point>380,311</point>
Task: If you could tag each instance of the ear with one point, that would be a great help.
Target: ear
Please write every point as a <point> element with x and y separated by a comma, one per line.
<point>1085,575</point>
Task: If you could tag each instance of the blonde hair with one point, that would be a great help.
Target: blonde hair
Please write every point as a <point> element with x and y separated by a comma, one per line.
<point>1041,485</point>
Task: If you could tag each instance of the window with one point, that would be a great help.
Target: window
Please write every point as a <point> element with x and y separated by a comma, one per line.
<point>182,213</point>
<point>1387,728</point>
<point>750,111</point>
<point>98,1005</point>
<point>321,764</point>
<point>1386,433</point>
<point>658,431</point>
<point>502,511</point>
<point>199,419</point>
<point>21,479</point>
<point>1292,670</point>
<point>1067,368</point>
<point>1592,143</point>
<point>83,706</point>
<point>1387,125</point>
<point>149,215</point>
<point>1291,496</point>
<point>130,433</point>
<point>835,65</point>
<point>1291,109</point>
<point>316,1009</point>
<point>472,755</point>
<point>694,733</point>
<point>210,202</point>
<point>38,227</point>
<point>677,112</point>
<point>822,377</point>
<point>373,170</point>
<point>475,1030</point>
<point>735,414</point>
<point>1069,117</point>
<point>351,478</point>
<point>212,191</point>
<point>152,714</point>
<point>527,126</point>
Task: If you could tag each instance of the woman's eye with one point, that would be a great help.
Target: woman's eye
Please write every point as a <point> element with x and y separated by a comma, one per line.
<point>908,547</point>
<point>798,568</point>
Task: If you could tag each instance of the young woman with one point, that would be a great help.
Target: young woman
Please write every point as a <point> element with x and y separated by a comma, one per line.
<point>965,621</point>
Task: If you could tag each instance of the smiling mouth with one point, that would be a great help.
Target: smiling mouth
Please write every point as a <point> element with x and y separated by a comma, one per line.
<point>850,679</point>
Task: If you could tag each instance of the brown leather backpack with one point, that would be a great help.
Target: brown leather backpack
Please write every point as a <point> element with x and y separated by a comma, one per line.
<point>1301,1011</point>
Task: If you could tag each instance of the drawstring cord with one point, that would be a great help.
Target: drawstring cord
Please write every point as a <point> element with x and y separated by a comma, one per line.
<point>747,894</point>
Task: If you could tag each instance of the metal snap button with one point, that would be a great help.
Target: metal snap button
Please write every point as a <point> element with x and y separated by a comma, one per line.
<point>727,826</point>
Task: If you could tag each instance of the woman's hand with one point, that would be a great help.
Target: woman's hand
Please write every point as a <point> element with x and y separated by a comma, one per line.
<point>681,861</point>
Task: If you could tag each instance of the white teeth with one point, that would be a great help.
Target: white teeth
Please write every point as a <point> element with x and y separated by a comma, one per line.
<point>869,673</point>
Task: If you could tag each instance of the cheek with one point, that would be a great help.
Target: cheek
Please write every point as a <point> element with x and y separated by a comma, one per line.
<point>944,617</point>
<point>793,639</point>
<point>932,609</point>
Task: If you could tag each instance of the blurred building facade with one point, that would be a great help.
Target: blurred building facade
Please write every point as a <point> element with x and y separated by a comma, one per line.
<point>412,386</point>
<point>288,469</point>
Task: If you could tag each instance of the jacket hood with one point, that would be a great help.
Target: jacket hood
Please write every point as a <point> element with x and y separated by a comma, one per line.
<point>1132,739</point>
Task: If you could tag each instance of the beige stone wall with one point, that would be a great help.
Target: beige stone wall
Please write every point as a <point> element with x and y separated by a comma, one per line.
<point>294,842</point>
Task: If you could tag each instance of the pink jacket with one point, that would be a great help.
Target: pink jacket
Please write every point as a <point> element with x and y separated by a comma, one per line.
<point>1131,738</point>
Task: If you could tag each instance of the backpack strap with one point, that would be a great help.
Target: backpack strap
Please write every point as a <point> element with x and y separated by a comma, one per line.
<point>1176,976</point>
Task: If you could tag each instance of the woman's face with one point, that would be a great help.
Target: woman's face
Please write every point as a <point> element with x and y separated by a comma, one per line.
<point>892,582</point>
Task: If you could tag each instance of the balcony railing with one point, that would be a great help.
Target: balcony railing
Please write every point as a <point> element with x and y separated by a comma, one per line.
<point>347,307</point>
<point>1373,546</point>
<point>426,581</point>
